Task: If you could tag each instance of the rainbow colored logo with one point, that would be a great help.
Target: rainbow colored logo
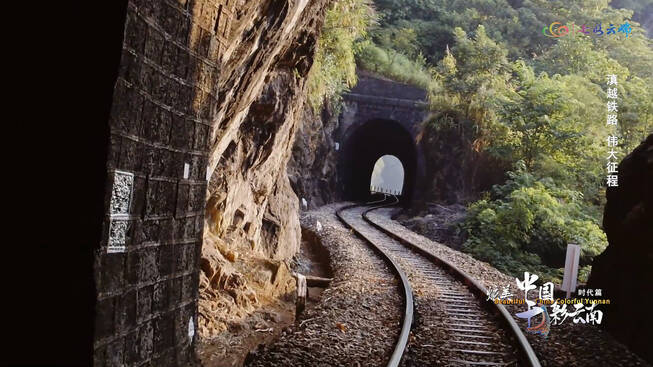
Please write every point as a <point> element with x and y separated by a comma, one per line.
<point>557,30</point>
<point>544,327</point>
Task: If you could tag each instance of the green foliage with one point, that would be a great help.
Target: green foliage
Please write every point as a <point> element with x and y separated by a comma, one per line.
<point>393,64</point>
<point>527,100</point>
<point>636,112</point>
<point>584,273</point>
<point>398,40</point>
<point>542,118</point>
<point>334,66</point>
<point>472,80</point>
<point>577,55</point>
<point>526,224</point>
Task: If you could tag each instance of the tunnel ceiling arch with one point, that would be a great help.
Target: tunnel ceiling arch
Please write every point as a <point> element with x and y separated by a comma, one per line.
<point>365,145</point>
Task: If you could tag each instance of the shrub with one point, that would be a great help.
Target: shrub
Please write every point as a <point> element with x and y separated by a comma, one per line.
<point>526,224</point>
<point>393,64</point>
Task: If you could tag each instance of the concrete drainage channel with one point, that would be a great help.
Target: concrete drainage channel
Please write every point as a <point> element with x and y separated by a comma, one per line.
<point>461,297</point>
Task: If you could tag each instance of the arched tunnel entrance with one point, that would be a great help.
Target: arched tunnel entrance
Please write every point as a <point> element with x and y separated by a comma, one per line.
<point>362,149</point>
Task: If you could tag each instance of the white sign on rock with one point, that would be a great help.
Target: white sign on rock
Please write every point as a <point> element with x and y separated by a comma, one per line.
<point>191,329</point>
<point>121,193</point>
<point>571,269</point>
<point>117,235</point>
<point>186,170</point>
<point>121,197</point>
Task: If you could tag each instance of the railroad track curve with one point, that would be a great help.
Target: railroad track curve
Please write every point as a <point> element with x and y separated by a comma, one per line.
<point>446,318</point>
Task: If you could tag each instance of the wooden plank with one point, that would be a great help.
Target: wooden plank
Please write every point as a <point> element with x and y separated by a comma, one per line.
<point>313,281</point>
<point>472,336</point>
<point>468,342</point>
<point>468,325</point>
<point>477,363</point>
<point>485,352</point>
<point>469,331</point>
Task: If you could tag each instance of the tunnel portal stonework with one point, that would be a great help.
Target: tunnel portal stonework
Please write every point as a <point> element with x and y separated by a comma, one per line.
<point>377,104</point>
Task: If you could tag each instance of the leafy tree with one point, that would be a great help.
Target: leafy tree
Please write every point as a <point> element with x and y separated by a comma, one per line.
<point>636,112</point>
<point>473,79</point>
<point>334,66</point>
<point>578,55</point>
<point>544,119</point>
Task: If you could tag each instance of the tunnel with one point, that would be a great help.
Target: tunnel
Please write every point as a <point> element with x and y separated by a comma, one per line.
<point>364,146</point>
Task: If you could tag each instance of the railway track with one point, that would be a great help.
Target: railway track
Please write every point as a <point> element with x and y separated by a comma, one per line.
<point>447,317</point>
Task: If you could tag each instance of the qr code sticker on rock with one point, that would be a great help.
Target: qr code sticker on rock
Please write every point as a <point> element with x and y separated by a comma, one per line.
<point>117,235</point>
<point>121,193</point>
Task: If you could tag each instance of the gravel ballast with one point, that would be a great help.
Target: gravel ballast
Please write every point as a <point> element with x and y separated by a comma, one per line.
<point>568,344</point>
<point>437,336</point>
<point>357,320</point>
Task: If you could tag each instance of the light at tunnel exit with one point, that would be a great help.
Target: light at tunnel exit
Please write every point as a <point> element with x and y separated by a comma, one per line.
<point>388,175</point>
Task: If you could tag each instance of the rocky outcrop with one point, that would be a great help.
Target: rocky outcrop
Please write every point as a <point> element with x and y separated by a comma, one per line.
<point>624,271</point>
<point>252,224</point>
<point>312,168</point>
<point>235,283</point>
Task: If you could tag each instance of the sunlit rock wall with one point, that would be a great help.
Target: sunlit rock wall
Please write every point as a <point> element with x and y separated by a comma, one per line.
<point>252,225</point>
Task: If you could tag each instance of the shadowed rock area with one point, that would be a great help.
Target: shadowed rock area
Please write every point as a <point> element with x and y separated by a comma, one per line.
<point>623,270</point>
<point>312,168</point>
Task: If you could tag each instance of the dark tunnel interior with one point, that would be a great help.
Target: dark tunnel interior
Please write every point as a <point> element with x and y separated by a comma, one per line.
<point>369,142</point>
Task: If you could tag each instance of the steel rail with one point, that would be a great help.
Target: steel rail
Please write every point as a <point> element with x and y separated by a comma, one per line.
<point>528,355</point>
<point>402,339</point>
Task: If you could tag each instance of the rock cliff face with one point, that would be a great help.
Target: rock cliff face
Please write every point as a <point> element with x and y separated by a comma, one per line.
<point>312,168</point>
<point>252,224</point>
<point>624,271</point>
